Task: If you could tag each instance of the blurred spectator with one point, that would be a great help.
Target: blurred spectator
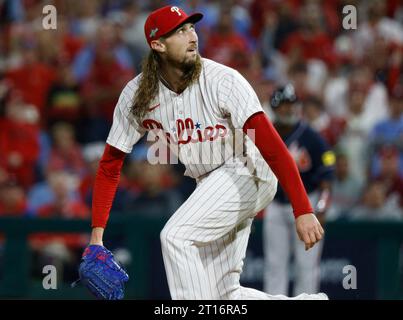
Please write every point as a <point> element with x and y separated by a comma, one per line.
<point>88,20</point>
<point>394,8</point>
<point>308,77</point>
<point>361,79</point>
<point>4,93</point>
<point>389,133</point>
<point>64,101</point>
<point>19,140</point>
<point>45,146</point>
<point>65,45</point>
<point>272,61</point>
<point>389,173</point>
<point>310,41</point>
<point>33,79</point>
<point>382,60</point>
<point>101,85</point>
<point>329,127</point>
<point>374,205</point>
<point>48,54</point>
<point>314,114</point>
<point>92,126</point>
<point>227,46</point>
<point>106,49</point>
<point>365,104</point>
<point>42,194</point>
<point>60,249</point>
<point>353,139</point>
<point>12,199</point>
<point>394,70</point>
<point>4,177</point>
<point>378,26</point>
<point>153,193</point>
<point>238,9</point>
<point>298,76</point>
<point>134,21</point>
<point>63,205</point>
<point>11,10</point>
<point>66,152</point>
<point>272,21</point>
<point>240,17</point>
<point>346,190</point>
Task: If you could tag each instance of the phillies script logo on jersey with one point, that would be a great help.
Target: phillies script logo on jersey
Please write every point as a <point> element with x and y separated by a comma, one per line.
<point>186,131</point>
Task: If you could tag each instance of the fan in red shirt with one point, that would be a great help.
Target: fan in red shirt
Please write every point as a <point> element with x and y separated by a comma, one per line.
<point>106,79</point>
<point>19,140</point>
<point>310,41</point>
<point>64,206</point>
<point>12,199</point>
<point>33,79</point>
<point>226,46</point>
<point>66,152</point>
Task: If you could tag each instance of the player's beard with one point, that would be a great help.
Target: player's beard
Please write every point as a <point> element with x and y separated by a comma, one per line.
<point>186,64</point>
<point>191,68</point>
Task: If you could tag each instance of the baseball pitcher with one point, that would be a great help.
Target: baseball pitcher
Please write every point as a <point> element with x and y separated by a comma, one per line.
<point>198,107</point>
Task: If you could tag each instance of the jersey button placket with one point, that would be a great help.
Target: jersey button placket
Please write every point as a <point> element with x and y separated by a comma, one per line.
<point>180,105</point>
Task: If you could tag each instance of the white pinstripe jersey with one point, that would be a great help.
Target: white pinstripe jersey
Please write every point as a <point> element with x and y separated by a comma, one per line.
<point>200,123</point>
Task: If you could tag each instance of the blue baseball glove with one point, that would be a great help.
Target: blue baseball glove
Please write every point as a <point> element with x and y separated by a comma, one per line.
<point>101,274</point>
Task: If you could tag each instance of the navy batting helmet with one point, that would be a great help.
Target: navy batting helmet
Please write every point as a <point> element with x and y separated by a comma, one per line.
<point>283,95</point>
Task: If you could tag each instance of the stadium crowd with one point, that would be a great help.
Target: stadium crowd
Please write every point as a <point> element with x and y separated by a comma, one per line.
<point>58,89</point>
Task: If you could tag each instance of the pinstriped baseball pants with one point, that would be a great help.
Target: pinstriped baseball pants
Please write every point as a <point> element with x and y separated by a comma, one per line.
<point>204,243</point>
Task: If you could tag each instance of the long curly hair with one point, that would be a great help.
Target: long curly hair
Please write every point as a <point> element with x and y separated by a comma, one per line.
<point>149,82</point>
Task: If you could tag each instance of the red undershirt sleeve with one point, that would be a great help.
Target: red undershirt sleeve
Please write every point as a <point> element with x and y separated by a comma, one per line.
<point>277,156</point>
<point>106,183</point>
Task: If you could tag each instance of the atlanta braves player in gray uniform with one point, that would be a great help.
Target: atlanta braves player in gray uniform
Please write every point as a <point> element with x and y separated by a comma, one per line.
<point>197,108</point>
